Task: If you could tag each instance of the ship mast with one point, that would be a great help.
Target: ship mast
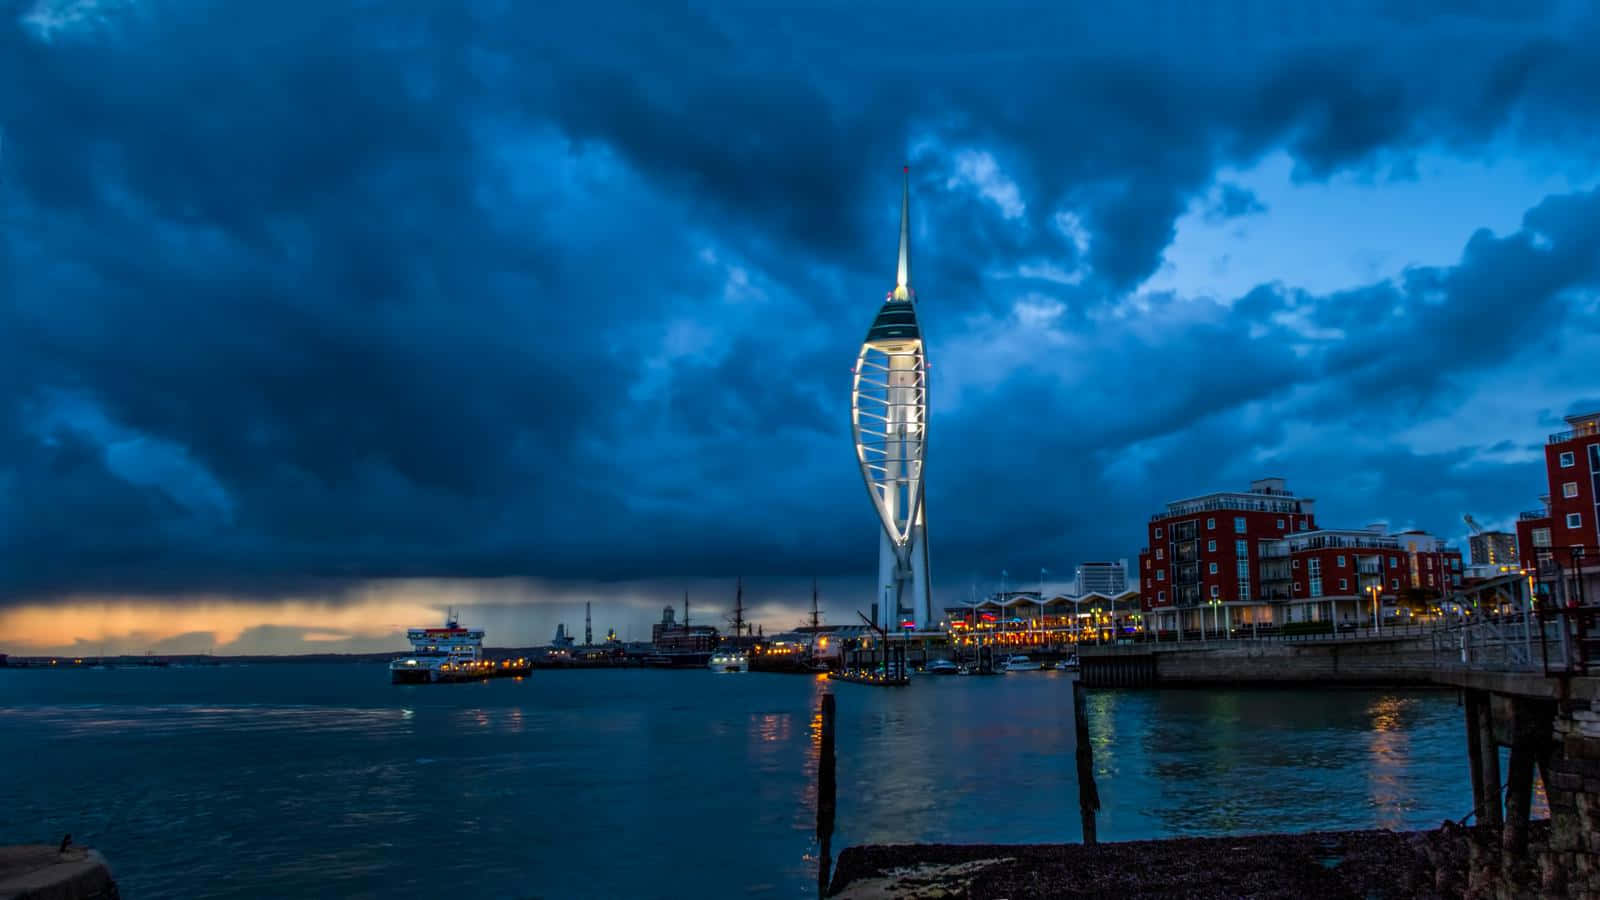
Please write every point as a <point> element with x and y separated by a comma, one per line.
<point>588,631</point>
<point>738,608</point>
<point>816,619</point>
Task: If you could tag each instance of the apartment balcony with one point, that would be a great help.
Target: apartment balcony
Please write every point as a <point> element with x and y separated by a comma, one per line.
<point>1530,514</point>
<point>1368,567</point>
<point>1561,437</point>
<point>1274,550</point>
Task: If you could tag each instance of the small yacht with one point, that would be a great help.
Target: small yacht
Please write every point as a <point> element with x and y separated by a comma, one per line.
<point>942,667</point>
<point>729,661</point>
<point>1070,664</point>
<point>1021,663</point>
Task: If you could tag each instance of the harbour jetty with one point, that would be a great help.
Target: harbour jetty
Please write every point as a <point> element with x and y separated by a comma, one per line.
<point>46,872</point>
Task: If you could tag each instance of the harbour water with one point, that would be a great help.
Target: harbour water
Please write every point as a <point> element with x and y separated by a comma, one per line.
<point>324,780</point>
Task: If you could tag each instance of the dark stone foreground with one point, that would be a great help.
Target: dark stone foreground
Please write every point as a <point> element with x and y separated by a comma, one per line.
<point>1355,864</point>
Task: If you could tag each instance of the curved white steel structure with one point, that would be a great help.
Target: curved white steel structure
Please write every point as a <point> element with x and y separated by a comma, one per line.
<point>888,418</point>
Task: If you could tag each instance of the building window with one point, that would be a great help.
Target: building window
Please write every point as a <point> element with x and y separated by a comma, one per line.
<point>1567,460</point>
<point>1393,562</point>
<point>1211,524</point>
<point>1238,524</point>
<point>1569,489</point>
<point>1147,565</point>
<point>1161,574</point>
<point>1430,579</point>
<point>1574,520</point>
<point>1213,568</point>
<point>1241,549</point>
<point>1211,546</point>
<point>1215,592</point>
<point>1304,525</point>
<point>1341,561</point>
<point>1314,570</point>
<point>1344,584</point>
<point>1541,537</point>
<point>1429,561</point>
<point>1161,596</point>
<point>1394,584</point>
<point>1294,563</point>
<point>1297,587</point>
<point>1158,553</point>
<point>1158,534</point>
<point>1280,524</point>
<point>1244,590</point>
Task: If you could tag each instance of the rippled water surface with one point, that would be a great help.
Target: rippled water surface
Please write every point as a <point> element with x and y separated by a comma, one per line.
<point>324,780</point>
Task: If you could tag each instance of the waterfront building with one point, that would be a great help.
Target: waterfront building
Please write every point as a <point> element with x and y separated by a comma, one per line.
<point>1050,619</point>
<point>1565,530</point>
<point>1102,577</point>
<point>888,421</point>
<point>1493,548</point>
<point>1230,560</point>
<point>668,635</point>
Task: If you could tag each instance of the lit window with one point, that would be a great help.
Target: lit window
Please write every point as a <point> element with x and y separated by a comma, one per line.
<point>1567,460</point>
<point>1158,553</point>
<point>1574,520</point>
<point>1341,562</point>
<point>1570,489</point>
<point>1213,568</point>
<point>1238,524</point>
<point>1161,574</point>
<point>1211,546</point>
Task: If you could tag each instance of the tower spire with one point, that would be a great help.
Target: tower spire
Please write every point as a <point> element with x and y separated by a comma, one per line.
<point>902,284</point>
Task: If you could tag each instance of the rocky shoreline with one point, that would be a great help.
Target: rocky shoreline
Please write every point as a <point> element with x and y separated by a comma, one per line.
<point>1448,861</point>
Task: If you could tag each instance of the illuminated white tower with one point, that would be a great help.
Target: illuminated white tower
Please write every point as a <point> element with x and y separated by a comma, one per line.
<point>888,418</point>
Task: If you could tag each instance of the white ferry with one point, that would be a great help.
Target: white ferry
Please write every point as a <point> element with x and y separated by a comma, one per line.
<point>451,653</point>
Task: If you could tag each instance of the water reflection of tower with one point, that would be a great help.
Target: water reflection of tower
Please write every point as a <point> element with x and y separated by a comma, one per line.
<point>888,417</point>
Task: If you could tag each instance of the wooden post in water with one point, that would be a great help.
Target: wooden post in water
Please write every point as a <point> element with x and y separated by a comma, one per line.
<point>826,800</point>
<point>1491,814</point>
<point>1470,701</point>
<point>1088,794</point>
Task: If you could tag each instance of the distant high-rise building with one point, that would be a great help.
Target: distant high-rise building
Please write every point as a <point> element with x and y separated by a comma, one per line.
<point>1493,548</point>
<point>1109,578</point>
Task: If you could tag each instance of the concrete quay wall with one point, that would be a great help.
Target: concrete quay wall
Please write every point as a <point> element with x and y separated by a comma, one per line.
<point>1409,661</point>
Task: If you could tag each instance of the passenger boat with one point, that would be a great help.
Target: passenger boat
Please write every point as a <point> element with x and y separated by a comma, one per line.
<point>451,653</point>
<point>1070,664</point>
<point>1022,664</point>
<point>729,661</point>
<point>942,667</point>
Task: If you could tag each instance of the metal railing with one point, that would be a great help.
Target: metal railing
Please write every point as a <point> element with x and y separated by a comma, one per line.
<point>1531,514</point>
<point>1564,436</point>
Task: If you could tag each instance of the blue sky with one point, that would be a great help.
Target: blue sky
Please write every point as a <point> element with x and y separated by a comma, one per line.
<point>524,306</point>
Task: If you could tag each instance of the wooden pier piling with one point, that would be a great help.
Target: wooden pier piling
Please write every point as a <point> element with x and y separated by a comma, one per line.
<point>826,795</point>
<point>1088,793</point>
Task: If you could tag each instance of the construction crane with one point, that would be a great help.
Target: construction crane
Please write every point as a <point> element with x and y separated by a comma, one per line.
<point>1472,523</point>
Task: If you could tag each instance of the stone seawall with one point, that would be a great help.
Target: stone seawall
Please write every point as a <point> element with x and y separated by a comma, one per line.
<point>1262,662</point>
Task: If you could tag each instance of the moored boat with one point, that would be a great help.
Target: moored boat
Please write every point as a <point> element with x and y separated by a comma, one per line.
<point>942,667</point>
<point>729,661</point>
<point>1022,663</point>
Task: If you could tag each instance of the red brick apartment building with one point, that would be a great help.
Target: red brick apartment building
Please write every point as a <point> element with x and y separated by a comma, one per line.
<point>1259,557</point>
<point>1566,531</point>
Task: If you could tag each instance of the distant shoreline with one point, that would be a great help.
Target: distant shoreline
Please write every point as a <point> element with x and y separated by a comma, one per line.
<point>70,661</point>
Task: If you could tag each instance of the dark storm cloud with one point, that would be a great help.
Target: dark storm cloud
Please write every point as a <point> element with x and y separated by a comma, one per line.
<point>493,289</point>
